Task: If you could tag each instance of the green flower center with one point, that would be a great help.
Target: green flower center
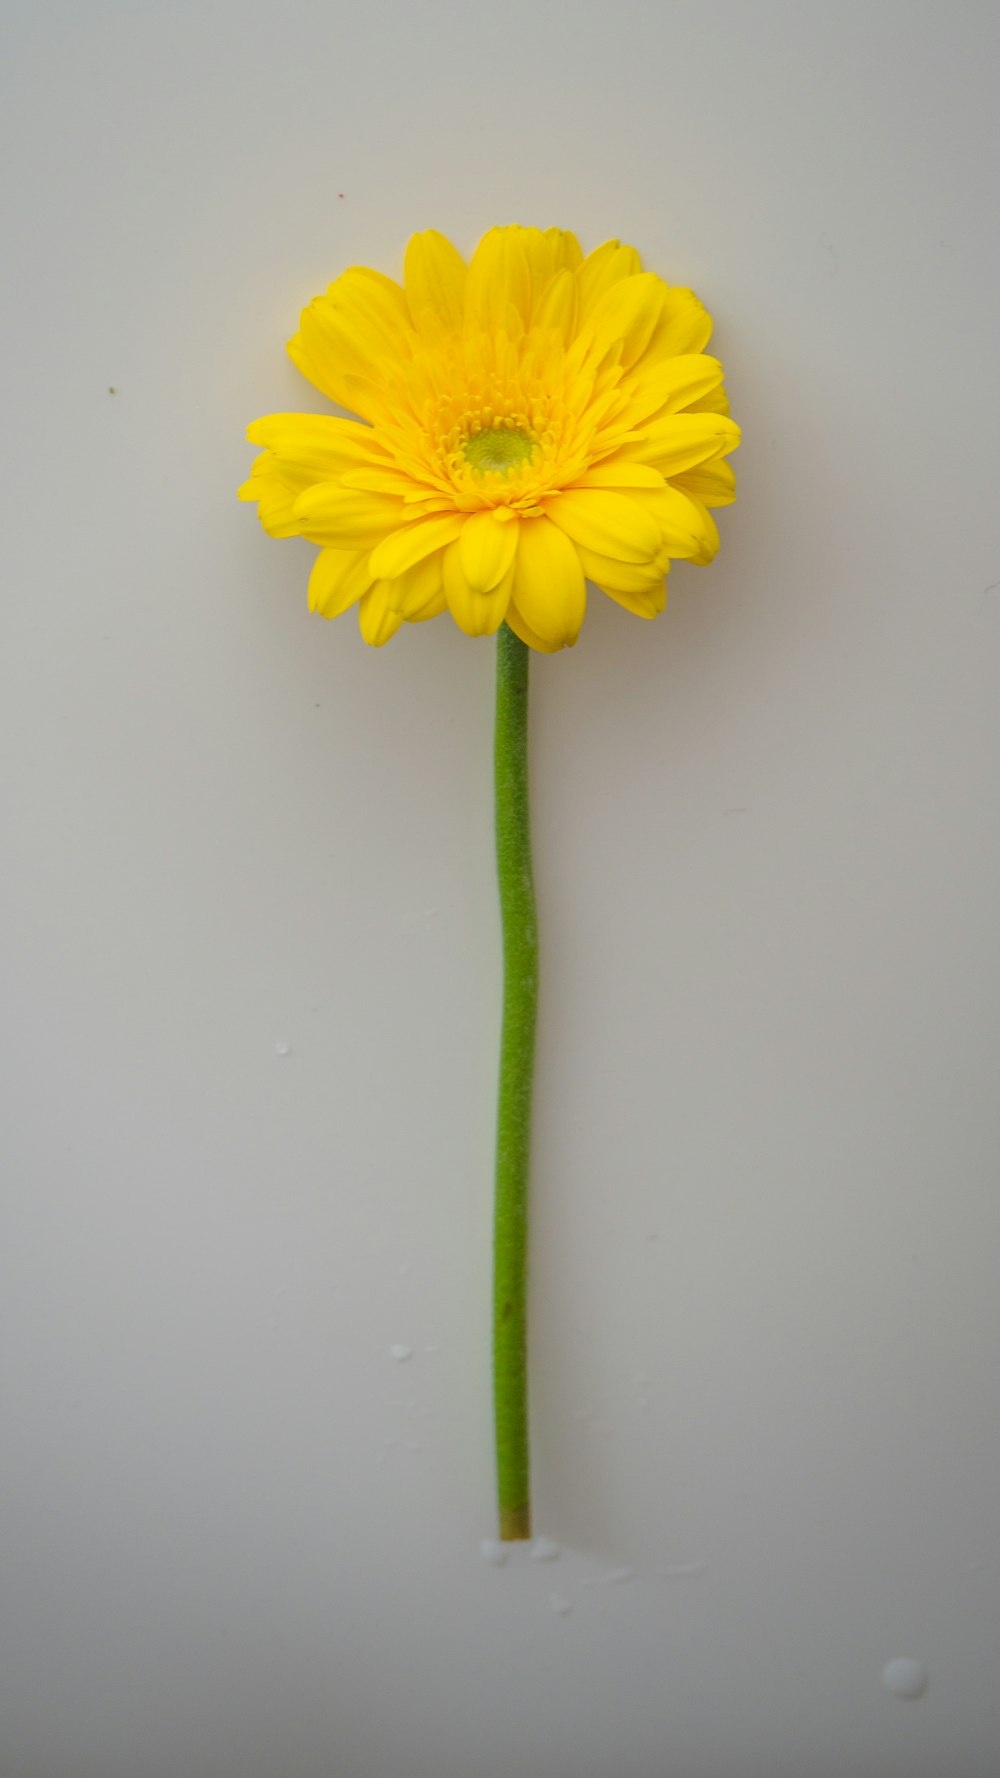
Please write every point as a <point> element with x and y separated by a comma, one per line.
<point>496,450</point>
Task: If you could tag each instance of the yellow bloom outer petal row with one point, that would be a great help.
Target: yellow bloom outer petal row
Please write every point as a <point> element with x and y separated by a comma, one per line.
<point>609,427</point>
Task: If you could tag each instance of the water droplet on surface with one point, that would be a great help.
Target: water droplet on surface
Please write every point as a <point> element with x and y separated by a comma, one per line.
<point>560,1606</point>
<point>283,1048</point>
<point>905,1678</point>
<point>400,1353</point>
<point>544,1550</point>
<point>493,1552</point>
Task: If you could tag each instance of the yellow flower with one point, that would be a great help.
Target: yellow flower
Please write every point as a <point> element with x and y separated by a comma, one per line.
<point>529,422</point>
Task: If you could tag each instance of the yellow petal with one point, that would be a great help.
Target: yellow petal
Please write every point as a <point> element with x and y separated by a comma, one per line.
<point>620,472</point>
<point>648,603</point>
<point>538,258</point>
<point>275,499</point>
<point>359,327</point>
<point>527,635</point>
<point>633,578</point>
<point>498,276</point>
<point>512,322</point>
<point>613,524</point>
<point>410,592</point>
<point>712,482</point>
<point>628,311</point>
<point>477,613</point>
<point>411,543</point>
<point>261,466</point>
<point>320,357</point>
<point>376,617</point>
<point>672,385</point>
<point>606,266</point>
<point>315,447</point>
<point>565,248</point>
<point>366,297</point>
<point>683,440</point>
<point>547,252</point>
<point>716,403</point>
<point>709,539</point>
<point>434,275</point>
<point>346,518</point>
<point>488,547</point>
<point>434,607</point>
<point>338,579</point>
<point>684,326</point>
<point>684,525</point>
<point>549,586</point>
<point>558,306</point>
<point>390,481</point>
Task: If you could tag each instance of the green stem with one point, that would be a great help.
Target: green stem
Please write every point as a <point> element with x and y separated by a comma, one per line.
<point>517,1051</point>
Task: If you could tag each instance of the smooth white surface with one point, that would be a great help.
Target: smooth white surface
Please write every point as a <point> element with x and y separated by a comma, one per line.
<point>251,1002</point>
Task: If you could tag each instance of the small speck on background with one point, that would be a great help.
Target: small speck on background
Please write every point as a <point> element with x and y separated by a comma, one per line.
<point>905,1678</point>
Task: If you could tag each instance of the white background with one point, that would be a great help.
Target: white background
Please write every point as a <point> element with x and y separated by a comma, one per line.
<point>239,1540</point>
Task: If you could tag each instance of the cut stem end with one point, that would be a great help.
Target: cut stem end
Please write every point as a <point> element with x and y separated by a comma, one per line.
<point>515,1524</point>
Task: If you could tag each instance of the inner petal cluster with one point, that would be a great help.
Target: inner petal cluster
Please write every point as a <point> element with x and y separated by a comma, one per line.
<point>487,418</point>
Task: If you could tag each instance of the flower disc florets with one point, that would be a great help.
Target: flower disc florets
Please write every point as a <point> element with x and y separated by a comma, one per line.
<point>498,447</point>
<point>529,422</point>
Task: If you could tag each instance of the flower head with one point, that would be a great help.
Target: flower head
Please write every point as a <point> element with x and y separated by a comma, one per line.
<point>528,422</point>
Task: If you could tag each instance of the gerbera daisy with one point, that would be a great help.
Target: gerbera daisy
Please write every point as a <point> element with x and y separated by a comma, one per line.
<point>528,422</point>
